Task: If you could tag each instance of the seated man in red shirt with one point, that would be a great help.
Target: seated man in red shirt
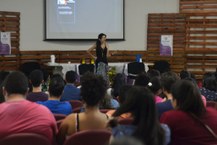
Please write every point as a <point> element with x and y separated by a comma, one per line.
<point>21,116</point>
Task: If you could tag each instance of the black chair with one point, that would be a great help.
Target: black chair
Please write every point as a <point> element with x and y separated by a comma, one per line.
<point>83,68</point>
<point>162,66</point>
<point>134,68</point>
<point>28,67</point>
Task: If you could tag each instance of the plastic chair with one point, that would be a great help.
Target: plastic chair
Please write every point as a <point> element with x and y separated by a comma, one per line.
<point>76,104</point>
<point>28,67</point>
<point>211,104</point>
<point>83,68</point>
<point>77,110</point>
<point>104,110</point>
<point>59,116</point>
<point>89,137</point>
<point>25,139</point>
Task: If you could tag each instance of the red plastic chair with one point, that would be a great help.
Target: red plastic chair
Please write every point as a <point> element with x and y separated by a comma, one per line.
<point>104,110</point>
<point>76,110</point>
<point>89,137</point>
<point>59,116</point>
<point>24,139</point>
<point>76,103</point>
<point>211,104</point>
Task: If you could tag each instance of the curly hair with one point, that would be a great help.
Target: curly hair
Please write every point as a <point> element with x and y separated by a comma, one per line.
<point>93,89</point>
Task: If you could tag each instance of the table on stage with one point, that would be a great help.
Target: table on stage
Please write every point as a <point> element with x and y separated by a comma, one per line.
<point>62,68</point>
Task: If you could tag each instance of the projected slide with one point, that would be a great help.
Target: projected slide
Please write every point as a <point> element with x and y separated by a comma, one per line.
<point>66,11</point>
<point>84,19</point>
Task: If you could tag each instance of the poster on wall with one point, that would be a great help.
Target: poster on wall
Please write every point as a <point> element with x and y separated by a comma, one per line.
<point>166,45</point>
<point>5,43</point>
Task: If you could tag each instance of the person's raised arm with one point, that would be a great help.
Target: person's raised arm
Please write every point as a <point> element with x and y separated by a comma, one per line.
<point>90,50</point>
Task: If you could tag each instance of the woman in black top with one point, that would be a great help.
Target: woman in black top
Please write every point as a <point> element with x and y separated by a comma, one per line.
<point>102,52</point>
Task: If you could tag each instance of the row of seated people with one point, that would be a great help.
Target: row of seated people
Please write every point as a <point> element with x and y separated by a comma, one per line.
<point>139,104</point>
<point>71,92</point>
<point>60,94</point>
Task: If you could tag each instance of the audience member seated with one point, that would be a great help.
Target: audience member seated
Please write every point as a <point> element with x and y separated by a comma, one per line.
<point>108,102</point>
<point>155,86</point>
<point>153,73</point>
<point>56,87</point>
<point>209,88</point>
<point>194,82</point>
<point>145,127</point>
<point>167,80</point>
<point>184,74</point>
<point>142,80</point>
<point>93,89</point>
<point>36,79</point>
<point>190,123</point>
<point>71,92</point>
<point>118,82</point>
<point>21,116</point>
<point>121,98</point>
<point>113,92</point>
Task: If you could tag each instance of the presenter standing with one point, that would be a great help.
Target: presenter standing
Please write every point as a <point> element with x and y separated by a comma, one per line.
<point>102,53</point>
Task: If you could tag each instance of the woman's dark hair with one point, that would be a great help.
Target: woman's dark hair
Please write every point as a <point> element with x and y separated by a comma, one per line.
<point>56,85</point>
<point>98,43</point>
<point>140,102</point>
<point>123,93</point>
<point>155,84</point>
<point>209,81</point>
<point>118,82</point>
<point>192,80</point>
<point>93,89</point>
<point>188,97</point>
<point>168,79</point>
<point>142,80</point>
